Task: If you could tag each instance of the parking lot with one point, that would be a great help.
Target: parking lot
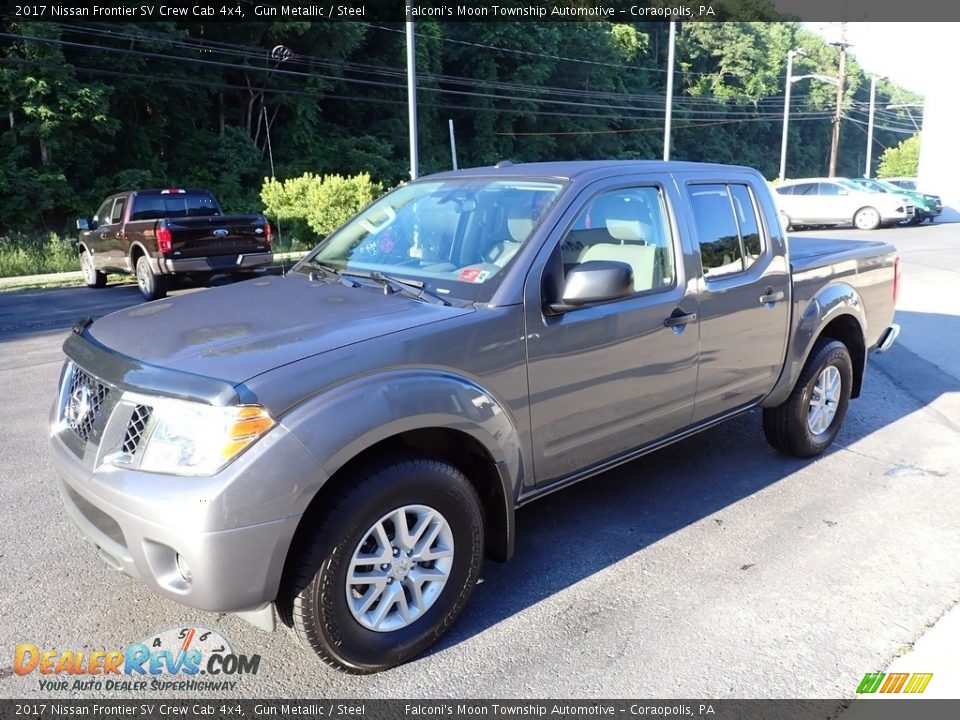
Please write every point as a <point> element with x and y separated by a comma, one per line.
<point>713,568</point>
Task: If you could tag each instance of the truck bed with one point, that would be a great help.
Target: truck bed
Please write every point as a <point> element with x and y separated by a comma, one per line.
<point>807,253</point>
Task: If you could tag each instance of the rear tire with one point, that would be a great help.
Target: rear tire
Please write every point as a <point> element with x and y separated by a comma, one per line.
<point>152,286</point>
<point>91,276</point>
<point>809,420</point>
<point>361,627</point>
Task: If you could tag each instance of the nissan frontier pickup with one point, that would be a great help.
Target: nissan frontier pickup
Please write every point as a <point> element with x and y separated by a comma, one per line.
<point>341,447</point>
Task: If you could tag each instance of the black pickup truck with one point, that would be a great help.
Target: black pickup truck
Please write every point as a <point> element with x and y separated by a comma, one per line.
<point>159,233</point>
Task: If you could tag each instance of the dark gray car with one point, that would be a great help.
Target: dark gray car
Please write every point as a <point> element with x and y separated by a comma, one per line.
<point>347,443</point>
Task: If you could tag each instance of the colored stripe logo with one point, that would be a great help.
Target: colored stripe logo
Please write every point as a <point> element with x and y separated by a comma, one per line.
<point>894,683</point>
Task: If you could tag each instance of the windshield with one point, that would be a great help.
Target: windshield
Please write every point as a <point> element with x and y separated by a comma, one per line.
<point>871,185</point>
<point>889,187</point>
<point>849,184</point>
<point>454,235</point>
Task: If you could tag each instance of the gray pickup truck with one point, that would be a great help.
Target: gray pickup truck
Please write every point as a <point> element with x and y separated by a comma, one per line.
<point>346,444</point>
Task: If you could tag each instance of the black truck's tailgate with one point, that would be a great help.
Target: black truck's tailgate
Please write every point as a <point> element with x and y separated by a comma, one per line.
<point>217,235</point>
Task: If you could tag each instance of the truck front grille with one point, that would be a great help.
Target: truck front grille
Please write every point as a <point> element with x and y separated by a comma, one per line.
<point>136,426</point>
<point>83,402</point>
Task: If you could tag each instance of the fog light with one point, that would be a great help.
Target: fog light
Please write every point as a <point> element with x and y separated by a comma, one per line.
<point>184,568</point>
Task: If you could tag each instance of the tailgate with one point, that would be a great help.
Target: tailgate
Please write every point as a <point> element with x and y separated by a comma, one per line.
<point>217,235</point>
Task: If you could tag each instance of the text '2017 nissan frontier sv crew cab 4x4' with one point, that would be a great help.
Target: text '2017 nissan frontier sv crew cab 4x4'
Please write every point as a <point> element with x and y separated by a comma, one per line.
<point>348,442</point>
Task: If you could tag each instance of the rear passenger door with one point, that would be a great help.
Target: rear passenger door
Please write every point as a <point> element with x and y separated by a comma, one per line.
<point>744,296</point>
<point>834,202</point>
<point>804,202</point>
<point>609,377</point>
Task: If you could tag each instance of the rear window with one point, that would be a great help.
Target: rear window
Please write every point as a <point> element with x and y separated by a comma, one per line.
<point>153,206</point>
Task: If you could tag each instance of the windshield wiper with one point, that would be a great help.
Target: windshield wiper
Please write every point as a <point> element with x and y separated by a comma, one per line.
<point>410,288</point>
<point>329,271</point>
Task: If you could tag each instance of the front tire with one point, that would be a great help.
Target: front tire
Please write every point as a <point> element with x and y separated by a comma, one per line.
<point>152,286</point>
<point>809,420</point>
<point>91,276</point>
<point>866,218</point>
<point>388,567</point>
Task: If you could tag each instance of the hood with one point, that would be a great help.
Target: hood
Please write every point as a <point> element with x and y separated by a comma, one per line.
<point>235,332</point>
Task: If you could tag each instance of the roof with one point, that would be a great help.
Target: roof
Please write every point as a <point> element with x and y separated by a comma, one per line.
<point>794,181</point>
<point>568,170</point>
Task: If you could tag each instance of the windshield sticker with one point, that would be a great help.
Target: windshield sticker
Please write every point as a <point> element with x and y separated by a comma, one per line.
<point>473,275</point>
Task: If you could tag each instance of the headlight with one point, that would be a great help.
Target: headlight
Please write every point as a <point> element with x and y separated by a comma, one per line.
<point>190,438</point>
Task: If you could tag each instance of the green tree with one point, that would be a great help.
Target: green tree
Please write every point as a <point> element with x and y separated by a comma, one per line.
<point>904,159</point>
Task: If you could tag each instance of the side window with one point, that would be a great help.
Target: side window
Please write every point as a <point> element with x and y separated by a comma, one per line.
<point>728,228</point>
<point>805,189</point>
<point>785,190</point>
<point>829,189</point>
<point>103,213</point>
<point>628,225</point>
<point>117,215</point>
<point>746,210</point>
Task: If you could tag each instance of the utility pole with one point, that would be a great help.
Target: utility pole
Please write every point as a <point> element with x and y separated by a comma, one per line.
<point>669,110</point>
<point>786,115</point>
<point>841,76</point>
<point>873,102</point>
<point>412,99</point>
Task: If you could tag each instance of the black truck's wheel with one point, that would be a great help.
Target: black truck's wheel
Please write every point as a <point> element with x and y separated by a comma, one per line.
<point>388,567</point>
<point>91,276</point>
<point>811,417</point>
<point>152,286</point>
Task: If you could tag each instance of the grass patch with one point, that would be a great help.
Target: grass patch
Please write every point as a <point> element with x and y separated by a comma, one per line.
<point>37,254</point>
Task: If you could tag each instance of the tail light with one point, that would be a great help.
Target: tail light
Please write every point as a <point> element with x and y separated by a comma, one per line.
<point>164,239</point>
<point>896,279</point>
<point>267,232</point>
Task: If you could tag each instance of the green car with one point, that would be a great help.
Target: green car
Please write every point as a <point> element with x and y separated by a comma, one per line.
<point>927,206</point>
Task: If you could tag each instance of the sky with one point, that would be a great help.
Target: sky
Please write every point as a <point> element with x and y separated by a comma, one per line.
<point>920,56</point>
<point>923,57</point>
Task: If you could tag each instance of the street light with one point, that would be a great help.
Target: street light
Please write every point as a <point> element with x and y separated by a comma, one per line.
<point>907,106</point>
<point>873,102</point>
<point>786,103</point>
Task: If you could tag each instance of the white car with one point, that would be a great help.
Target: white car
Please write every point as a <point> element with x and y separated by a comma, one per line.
<point>835,201</point>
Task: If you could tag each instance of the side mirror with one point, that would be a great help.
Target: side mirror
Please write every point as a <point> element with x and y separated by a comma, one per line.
<point>592,282</point>
<point>83,224</point>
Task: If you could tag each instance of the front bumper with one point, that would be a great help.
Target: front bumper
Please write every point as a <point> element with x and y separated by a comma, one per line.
<point>216,543</point>
<point>216,263</point>
<point>899,214</point>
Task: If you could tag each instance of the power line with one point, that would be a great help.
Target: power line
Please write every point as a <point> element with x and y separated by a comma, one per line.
<point>650,112</point>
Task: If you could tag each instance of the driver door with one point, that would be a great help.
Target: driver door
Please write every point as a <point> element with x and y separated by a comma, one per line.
<point>607,378</point>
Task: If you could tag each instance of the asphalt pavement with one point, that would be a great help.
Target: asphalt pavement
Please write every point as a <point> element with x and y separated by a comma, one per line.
<point>713,568</point>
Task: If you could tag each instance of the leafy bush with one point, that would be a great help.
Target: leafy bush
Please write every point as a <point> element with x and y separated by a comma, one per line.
<point>310,207</point>
<point>902,160</point>
<point>33,255</point>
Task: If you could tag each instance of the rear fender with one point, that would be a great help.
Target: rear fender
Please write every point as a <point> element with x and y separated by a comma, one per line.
<point>832,302</point>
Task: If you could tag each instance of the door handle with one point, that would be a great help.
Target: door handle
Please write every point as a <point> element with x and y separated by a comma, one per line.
<point>103,236</point>
<point>769,297</point>
<point>679,320</point>
<point>119,234</point>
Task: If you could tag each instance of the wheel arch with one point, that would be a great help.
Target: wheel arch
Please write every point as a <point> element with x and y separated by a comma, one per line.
<point>837,312</point>
<point>461,450</point>
<point>425,411</point>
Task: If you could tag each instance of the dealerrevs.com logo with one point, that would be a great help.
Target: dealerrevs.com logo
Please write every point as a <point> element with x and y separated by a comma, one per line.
<point>183,658</point>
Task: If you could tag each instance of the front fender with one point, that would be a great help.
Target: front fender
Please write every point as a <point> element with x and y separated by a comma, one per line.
<point>337,425</point>
<point>835,300</point>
